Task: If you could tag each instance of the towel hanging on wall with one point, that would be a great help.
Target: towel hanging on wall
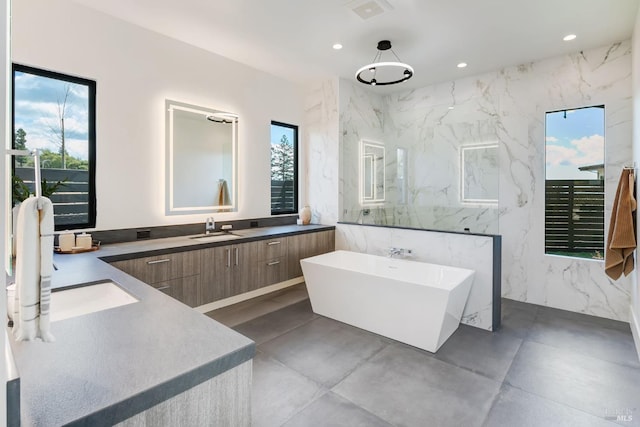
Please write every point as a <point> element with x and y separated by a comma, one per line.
<point>621,239</point>
<point>34,266</point>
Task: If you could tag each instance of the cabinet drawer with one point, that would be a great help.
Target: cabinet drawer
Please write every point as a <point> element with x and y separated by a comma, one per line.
<point>160,268</point>
<point>184,289</point>
<point>271,271</point>
<point>272,248</point>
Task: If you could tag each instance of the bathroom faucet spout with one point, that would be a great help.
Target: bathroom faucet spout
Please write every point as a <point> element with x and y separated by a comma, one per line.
<point>210,225</point>
<point>395,251</point>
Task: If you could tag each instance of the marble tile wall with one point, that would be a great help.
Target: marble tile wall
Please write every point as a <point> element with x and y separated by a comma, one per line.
<point>321,151</point>
<point>458,250</point>
<point>361,118</point>
<point>432,135</point>
<point>526,93</point>
<point>508,105</point>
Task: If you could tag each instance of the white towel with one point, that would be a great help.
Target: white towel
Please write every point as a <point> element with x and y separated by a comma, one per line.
<point>34,266</point>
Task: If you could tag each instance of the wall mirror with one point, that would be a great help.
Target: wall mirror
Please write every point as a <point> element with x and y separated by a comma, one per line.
<point>372,173</point>
<point>201,147</point>
<point>479,176</point>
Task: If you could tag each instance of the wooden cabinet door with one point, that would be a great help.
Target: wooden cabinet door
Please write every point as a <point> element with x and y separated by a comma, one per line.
<point>148,269</point>
<point>160,268</point>
<point>184,264</point>
<point>306,245</point>
<point>184,289</point>
<point>297,248</point>
<point>325,242</point>
<point>216,273</point>
<point>245,276</point>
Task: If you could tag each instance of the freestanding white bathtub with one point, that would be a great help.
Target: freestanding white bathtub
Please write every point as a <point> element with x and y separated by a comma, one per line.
<point>417,303</point>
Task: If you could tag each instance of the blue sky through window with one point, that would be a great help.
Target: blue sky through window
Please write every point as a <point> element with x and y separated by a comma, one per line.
<point>36,111</point>
<point>574,141</point>
<point>278,131</point>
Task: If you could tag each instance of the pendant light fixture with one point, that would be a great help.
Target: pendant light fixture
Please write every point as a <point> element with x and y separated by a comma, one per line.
<point>381,73</point>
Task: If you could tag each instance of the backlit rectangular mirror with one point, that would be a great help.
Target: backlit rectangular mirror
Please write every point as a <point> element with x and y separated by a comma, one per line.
<point>479,177</point>
<point>201,147</point>
<point>372,172</point>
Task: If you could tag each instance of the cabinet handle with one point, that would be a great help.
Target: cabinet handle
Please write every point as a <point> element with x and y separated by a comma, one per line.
<point>228,258</point>
<point>273,243</point>
<point>273,263</point>
<point>236,251</point>
<point>159,261</point>
<point>163,287</point>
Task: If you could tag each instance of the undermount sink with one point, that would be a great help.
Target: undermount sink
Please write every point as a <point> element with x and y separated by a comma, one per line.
<point>82,300</point>
<point>215,236</point>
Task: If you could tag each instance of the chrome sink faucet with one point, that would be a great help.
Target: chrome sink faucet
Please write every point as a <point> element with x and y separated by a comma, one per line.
<point>210,225</point>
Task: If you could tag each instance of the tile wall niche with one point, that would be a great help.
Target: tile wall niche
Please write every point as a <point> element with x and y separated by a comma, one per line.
<point>510,105</point>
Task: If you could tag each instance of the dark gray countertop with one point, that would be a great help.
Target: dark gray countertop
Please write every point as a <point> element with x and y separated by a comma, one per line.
<point>109,365</point>
<point>120,251</point>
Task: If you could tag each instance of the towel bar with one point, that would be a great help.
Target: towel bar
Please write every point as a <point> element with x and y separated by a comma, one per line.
<point>36,166</point>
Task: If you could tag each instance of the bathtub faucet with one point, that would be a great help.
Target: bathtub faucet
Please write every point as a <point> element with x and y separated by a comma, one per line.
<point>395,252</point>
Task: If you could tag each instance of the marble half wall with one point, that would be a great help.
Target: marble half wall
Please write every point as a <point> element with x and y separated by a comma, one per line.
<point>470,251</point>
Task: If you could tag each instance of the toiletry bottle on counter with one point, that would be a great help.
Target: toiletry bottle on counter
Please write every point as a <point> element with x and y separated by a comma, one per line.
<point>305,215</point>
<point>66,241</point>
<point>83,241</point>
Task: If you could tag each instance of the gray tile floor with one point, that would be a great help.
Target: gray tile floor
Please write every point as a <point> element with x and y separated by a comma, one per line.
<point>545,367</point>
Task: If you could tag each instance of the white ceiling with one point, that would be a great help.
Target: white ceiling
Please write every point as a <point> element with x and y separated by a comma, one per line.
<point>293,38</point>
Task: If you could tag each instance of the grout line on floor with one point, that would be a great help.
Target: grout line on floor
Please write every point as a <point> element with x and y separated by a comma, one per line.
<point>566,405</point>
<point>322,389</point>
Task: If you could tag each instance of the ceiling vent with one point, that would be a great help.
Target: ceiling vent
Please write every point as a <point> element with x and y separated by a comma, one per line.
<point>366,9</point>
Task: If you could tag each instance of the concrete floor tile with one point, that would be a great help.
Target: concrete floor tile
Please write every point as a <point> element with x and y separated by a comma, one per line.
<point>583,336</point>
<point>331,410</point>
<point>408,387</point>
<point>269,326</point>
<point>480,351</point>
<point>323,349</point>
<point>515,407</point>
<point>582,382</point>
<point>278,392</point>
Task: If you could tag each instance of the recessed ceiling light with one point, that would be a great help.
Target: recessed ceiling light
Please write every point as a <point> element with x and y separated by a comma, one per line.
<point>451,107</point>
<point>337,46</point>
<point>569,37</point>
<point>462,65</point>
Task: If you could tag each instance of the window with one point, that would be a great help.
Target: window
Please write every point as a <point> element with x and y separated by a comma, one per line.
<point>284,168</point>
<point>55,113</point>
<point>574,183</point>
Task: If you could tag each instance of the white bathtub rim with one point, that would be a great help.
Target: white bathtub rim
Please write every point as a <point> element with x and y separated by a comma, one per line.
<point>455,274</point>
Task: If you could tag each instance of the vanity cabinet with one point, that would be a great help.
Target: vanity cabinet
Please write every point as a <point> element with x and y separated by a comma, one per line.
<point>306,245</point>
<point>203,276</point>
<point>177,274</point>
<point>227,271</point>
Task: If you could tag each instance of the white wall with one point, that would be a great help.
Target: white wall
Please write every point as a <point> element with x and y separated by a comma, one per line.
<point>5,131</point>
<point>136,70</point>
<point>635,291</point>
